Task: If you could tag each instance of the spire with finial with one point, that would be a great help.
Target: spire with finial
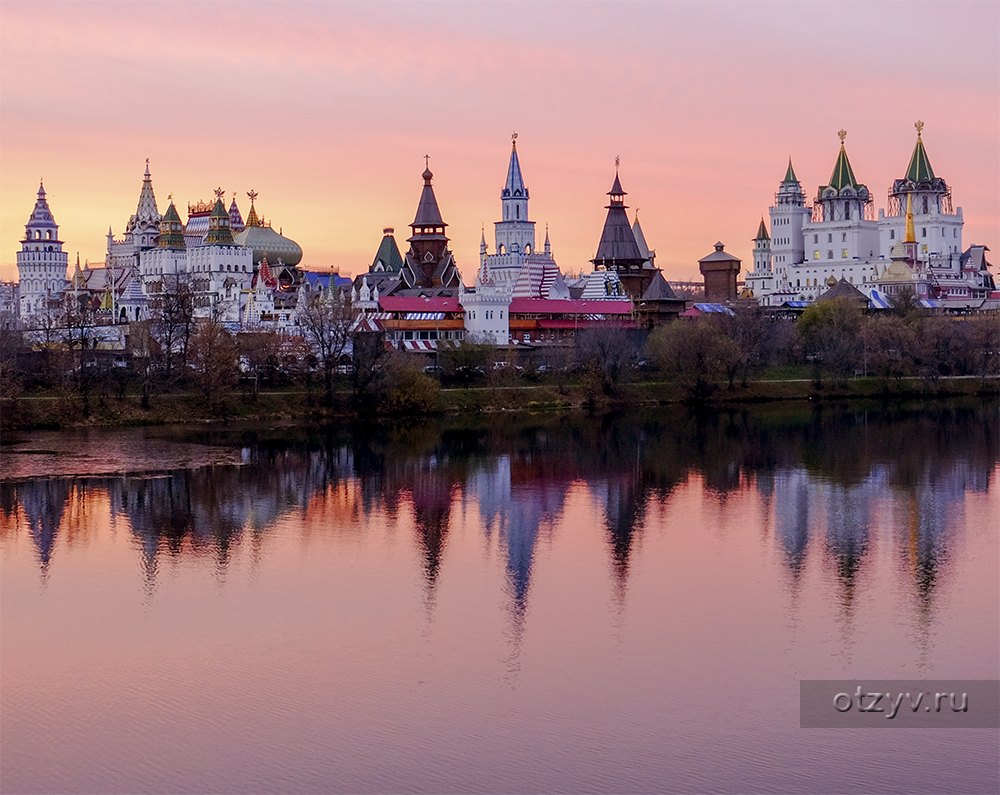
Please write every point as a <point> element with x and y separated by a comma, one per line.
<point>548,246</point>
<point>919,169</point>
<point>790,173</point>
<point>252,219</point>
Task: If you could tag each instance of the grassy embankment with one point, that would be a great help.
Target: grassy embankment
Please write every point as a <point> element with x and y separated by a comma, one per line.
<point>776,384</point>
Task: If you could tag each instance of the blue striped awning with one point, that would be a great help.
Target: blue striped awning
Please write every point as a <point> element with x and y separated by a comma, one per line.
<point>424,316</point>
<point>877,300</point>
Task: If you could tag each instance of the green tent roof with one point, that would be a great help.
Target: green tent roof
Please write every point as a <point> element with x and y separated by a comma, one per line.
<point>762,231</point>
<point>843,174</point>
<point>790,174</point>
<point>920,166</point>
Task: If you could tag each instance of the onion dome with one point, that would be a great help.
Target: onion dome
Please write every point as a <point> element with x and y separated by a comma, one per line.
<point>265,242</point>
<point>171,229</point>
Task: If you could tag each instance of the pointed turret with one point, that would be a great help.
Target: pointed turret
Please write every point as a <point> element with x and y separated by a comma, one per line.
<point>219,232</point>
<point>930,193</point>
<point>428,257</point>
<point>428,215</point>
<point>790,173</point>
<point>146,214</point>
<point>920,165</point>
<point>843,175</point>
<point>514,234</point>
<point>514,186</point>
<point>762,231</point>
<point>171,229</point>
<point>252,219</point>
<point>618,250</point>
<point>41,225</point>
<point>640,241</point>
<point>387,258</point>
<point>548,245</point>
<point>236,224</point>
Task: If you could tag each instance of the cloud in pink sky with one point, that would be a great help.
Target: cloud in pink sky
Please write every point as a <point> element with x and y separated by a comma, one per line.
<point>327,110</point>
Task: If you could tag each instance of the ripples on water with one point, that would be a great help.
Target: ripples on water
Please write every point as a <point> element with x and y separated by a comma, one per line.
<point>550,603</point>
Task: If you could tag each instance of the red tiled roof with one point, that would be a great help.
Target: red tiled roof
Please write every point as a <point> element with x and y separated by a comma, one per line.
<point>568,306</point>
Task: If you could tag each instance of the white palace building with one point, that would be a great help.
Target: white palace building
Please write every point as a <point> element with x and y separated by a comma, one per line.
<point>839,237</point>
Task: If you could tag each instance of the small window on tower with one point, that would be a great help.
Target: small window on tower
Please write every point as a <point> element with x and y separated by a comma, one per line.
<point>892,234</point>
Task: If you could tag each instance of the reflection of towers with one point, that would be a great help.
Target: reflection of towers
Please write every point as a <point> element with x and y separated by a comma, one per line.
<point>624,501</point>
<point>848,518</point>
<point>44,502</point>
<point>792,518</point>
<point>430,491</point>
<point>520,505</point>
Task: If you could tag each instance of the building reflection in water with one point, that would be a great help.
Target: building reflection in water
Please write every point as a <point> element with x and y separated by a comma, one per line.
<point>822,473</point>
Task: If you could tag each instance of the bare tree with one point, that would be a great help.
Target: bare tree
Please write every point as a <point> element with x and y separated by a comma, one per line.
<point>172,313</point>
<point>889,344</point>
<point>372,370</point>
<point>830,332</point>
<point>610,353</point>
<point>327,323</point>
<point>145,349</point>
<point>695,352</point>
<point>258,352</point>
<point>213,354</point>
<point>79,331</point>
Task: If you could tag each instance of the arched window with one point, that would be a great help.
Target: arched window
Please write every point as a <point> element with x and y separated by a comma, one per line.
<point>517,210</point>
<point>48,235</point>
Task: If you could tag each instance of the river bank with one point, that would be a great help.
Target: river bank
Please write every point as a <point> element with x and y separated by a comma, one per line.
<point>53,411</point>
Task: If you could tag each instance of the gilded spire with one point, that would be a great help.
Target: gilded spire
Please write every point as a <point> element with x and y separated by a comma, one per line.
<point>252,219</point>
<point>911,235</point>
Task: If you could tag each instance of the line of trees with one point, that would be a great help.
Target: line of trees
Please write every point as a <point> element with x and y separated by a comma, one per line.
<point>68,353</point>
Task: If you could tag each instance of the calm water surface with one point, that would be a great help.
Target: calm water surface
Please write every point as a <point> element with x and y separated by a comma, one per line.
<point>527,604</point>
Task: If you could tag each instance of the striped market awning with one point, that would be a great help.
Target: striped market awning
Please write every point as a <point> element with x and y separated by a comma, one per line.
<point>424,316</point>
<point>420,345</point>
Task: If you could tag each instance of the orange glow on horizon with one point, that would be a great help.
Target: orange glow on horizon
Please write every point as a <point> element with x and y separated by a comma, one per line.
<point>327,110</point>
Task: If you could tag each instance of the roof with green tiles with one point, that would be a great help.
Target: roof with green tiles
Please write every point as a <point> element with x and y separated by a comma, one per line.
<point>920,165</point>
<point>790,174</point>
<point>843,175</point>
<point>762,232</point>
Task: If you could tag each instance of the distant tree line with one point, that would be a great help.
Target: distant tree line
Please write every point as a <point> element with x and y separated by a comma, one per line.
<point>351,366</point>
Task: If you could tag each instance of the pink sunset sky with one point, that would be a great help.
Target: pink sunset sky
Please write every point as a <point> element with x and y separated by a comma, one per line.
<point>327,109</point>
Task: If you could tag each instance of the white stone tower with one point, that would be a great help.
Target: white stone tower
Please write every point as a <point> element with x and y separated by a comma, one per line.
<point>41,262</point>
<point>788,217</point>
<point>515,234</point>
